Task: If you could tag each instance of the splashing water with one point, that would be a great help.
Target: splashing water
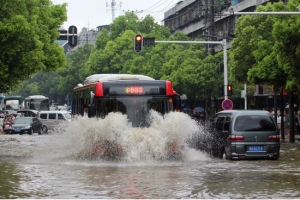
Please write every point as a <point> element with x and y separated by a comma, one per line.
<point>90,138</point>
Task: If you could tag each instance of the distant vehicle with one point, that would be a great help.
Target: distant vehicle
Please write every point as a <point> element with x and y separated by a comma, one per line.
<point>36,102</point>
<point>54,104</point>
<point>243,134</point>
<point>52,108</point>
<point>14,103</point>
<point>26,125</point>
<point>62,108</point>
<point>51,119</point>
<point>28,113</point>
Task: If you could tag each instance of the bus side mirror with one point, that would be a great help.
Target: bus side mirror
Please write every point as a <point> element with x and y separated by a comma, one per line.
<point>91,111</point>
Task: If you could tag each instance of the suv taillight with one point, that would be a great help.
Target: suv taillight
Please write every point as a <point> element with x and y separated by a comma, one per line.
<point>274,137</point>
<point>235,138</point>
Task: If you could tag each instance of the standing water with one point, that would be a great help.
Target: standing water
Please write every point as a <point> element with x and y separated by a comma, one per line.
<point>114,138</point>
<point>64,164</point>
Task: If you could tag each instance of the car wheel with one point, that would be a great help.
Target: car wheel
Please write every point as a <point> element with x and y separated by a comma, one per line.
<point>31,131</point>
<point>40,131</point>
<point>44,129</point>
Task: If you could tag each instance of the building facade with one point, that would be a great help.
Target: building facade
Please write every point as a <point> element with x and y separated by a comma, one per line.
<point>194,18</point>
<point>90,36</point>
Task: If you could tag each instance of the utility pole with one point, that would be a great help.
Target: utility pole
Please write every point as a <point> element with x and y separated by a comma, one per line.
<point>113,8</point>
<point>206,19</point>
<point>212,25</point>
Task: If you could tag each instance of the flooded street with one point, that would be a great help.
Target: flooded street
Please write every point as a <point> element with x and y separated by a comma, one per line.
<point>46,166</point>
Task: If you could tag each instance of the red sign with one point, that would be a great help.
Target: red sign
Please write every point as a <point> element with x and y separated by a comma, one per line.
<point>227,104</point>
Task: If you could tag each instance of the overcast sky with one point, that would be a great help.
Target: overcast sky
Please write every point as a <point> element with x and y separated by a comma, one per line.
<point>93,13</point>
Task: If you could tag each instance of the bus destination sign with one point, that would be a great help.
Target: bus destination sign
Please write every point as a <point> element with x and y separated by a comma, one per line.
<point>134,90</point>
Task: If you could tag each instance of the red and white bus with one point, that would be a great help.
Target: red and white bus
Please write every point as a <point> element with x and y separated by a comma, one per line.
<point>132,95</point>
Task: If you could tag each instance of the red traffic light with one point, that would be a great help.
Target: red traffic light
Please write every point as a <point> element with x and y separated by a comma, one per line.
<point>229,88</point>
<point>138,39</point>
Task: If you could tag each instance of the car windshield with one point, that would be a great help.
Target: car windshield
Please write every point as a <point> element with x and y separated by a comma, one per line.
<point>67,115</point>
<point>254,123</point>
<point>23,121</point>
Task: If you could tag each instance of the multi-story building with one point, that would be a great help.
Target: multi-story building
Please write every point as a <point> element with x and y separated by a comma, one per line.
<point>194,18</point>
<point>90,36</point>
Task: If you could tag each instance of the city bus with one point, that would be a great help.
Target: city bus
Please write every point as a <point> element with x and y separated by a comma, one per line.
<point>131,95</point>
<point>13,103</point>
<point>36,102</point>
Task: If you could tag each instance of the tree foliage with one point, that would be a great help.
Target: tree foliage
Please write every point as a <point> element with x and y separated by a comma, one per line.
<point>74,72</point>
<point>287,43</point>
<point>41,83</point>
<point>28,30</point>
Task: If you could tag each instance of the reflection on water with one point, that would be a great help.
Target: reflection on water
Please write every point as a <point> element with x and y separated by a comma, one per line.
<point>58,165</point>
<point>10,182</point>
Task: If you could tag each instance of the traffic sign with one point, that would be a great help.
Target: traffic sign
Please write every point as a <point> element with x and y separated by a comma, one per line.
<point>227,104</point>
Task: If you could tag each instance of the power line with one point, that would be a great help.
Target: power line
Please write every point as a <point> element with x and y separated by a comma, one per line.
<point>159,5</point>
<point>164,8</point>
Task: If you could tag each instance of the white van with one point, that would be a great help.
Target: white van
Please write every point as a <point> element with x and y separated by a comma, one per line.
<point>51,119</point>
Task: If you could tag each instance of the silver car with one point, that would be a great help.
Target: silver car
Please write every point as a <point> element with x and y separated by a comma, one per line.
<point>250,135</point>
<point>242,134</point>
<point>51,119</point>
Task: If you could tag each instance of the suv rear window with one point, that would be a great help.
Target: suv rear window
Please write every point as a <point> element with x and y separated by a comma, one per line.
<point>254,123</point>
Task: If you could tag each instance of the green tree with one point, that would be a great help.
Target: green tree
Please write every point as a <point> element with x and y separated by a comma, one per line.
<point>287,43</point>
<point>253,56</point>
<point>102,39</point>
<point>41,83</point>
<point>74,72</point>
<point>28,30</point>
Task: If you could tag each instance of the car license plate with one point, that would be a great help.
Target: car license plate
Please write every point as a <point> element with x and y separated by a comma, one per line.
<point>257,148</point>
<point>17,130</point>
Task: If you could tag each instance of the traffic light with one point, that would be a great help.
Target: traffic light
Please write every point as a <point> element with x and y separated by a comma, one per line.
<point>138,41</point>
<point>148,42</point>
<point>72,39</point>
<point>221,90</point>
<point>229,90</point>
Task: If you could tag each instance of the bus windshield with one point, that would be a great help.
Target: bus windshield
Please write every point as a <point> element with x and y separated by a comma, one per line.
<point>136,108</point>
<point>37,104</point>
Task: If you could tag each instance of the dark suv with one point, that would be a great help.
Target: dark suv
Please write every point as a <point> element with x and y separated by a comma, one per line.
<point>245,134</point>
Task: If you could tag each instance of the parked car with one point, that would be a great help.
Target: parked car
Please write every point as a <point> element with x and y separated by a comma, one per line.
<point>51,119</point>
<point>245,134</point>
<point>25,125</point>
<point>28,113</point>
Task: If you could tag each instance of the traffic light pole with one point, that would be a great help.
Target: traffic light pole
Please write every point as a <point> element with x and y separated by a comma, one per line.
<point>223,43</point>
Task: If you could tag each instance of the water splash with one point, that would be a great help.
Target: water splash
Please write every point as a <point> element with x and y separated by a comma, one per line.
<point>84,138</point>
